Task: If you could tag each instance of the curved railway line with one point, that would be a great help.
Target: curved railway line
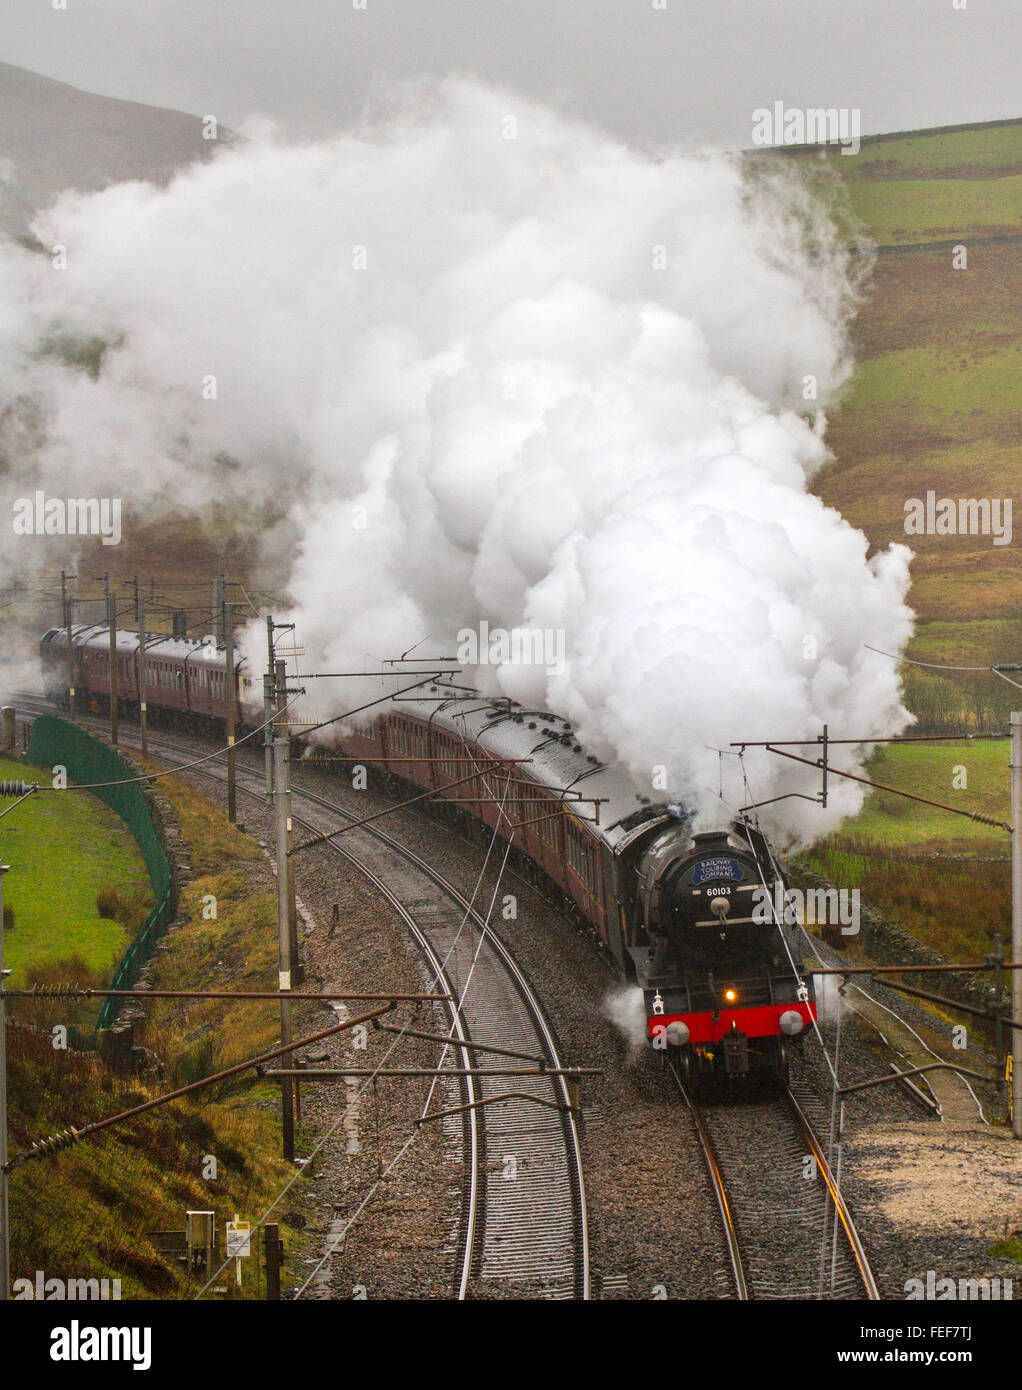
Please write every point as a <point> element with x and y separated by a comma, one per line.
<point>524,1216</point>
<point>528,1221</point>
<point>788,1231</point>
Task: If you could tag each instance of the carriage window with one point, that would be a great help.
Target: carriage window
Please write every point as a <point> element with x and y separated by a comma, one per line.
<point>543,828</point>
<point>580,856</point>
<point>572,849</point>
<point>443,753</point>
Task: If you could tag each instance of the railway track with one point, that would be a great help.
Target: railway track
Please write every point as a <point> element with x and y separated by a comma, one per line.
<point>530,1222</point>
<point>788,1231</point>
<point>525,1216</point>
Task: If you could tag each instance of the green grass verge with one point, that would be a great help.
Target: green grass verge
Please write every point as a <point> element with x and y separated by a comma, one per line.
<point>929,770</point>
<point>65,850</point>
<point>1008,1249</point>
<point>955,903</point>
<point>91,1212</point>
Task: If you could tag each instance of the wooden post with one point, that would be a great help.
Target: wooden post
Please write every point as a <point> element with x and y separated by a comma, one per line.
<point>274,1251</point>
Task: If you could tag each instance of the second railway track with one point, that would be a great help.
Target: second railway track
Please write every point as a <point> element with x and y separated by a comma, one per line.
<point>531,1222</point>
<point>788,1231</point>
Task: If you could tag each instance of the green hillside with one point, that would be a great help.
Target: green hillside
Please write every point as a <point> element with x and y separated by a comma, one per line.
<point>936,400</point>
<point>935,405</point>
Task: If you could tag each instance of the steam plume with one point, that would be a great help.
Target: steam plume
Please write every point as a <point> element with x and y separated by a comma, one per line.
<point>544,381</point>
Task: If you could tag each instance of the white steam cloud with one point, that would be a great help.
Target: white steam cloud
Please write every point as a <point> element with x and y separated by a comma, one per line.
<point>831,1004</point>
<point>626,1010</point>
<point>544,381</point>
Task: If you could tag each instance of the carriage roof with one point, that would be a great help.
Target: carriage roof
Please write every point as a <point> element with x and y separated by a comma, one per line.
<point>556,760</point>
<point>159,646</point>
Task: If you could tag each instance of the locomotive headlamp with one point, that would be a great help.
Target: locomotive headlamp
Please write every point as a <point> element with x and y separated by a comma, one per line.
<point>730,995</point>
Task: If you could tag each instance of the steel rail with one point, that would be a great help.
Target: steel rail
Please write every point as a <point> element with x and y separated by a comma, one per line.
<point>470,1224</point>
<point>533,1006</point>
<point>734,1248</point>
<point>840,1206</point>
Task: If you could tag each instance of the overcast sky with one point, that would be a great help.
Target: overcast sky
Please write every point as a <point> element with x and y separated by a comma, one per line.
<point>688,72</point>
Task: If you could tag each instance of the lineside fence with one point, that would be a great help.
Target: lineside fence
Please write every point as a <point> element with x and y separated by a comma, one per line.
<point>54,742</point>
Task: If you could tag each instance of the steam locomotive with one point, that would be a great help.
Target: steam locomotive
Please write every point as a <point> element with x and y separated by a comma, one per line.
<point>695,919</point>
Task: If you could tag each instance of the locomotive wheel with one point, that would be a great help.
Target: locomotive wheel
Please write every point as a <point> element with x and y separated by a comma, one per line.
<point>682,1063</point>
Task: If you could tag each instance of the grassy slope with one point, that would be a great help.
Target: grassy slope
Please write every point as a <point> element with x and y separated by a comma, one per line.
<point>89,1212</point>
<point>235,950</point>
<point>931,770</point>
<point>63,850</point>
<point>933,209</point>
<point>988,150</point>
<point>957,904</point>
<point>936,403</point>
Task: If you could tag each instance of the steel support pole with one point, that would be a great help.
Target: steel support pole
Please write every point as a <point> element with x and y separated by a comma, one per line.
<point>232,699</point>
<point>111,620</point>
<point>269,705</point>
<point>140,619</point>
<point>297,970</point>
<point>1016,921</point>
<point>282,813</point>
<point>5,1236</point>
<point>66,606</point>
<point>218,604</point>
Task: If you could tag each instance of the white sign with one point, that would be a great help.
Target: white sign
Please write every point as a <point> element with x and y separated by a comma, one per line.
<point>238,1239</point>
